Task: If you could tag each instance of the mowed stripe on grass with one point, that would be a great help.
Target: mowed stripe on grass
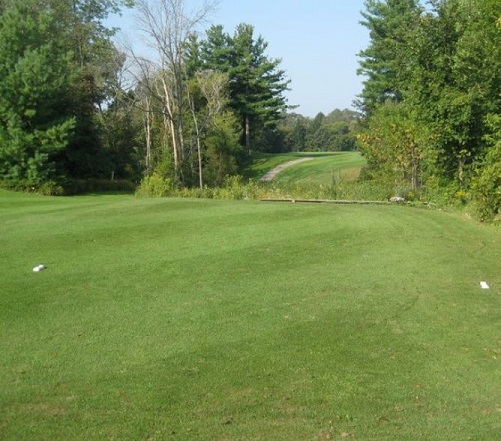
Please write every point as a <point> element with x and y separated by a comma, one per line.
<point>196,319</point>
<point>320,169</point>
<point>324,169</point>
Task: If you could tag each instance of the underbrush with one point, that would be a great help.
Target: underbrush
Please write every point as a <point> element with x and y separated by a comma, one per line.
<point>82,186</point>
<point>48,188</point>
<point>340,189</point>
<point>67,187</point>
<point>236,187</point>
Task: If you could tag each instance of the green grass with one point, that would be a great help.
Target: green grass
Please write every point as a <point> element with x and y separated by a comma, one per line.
<point>264,162</point>
<point>322,170</point>
<point>195,319</point>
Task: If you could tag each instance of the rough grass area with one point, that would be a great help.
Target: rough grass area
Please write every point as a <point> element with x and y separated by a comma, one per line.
<point>194,319</point>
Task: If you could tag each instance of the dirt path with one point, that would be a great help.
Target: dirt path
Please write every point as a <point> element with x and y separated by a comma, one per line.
<point>273,172</point>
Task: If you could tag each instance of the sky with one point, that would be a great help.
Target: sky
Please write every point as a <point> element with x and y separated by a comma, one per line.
<point>317,41</point>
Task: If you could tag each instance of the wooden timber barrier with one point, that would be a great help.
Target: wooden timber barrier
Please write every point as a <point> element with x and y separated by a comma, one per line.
<point>331,201</point>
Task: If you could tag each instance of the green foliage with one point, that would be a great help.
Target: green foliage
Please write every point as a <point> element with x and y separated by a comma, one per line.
<point>444,67</point>
<point>233,188</point>
<point>91,186</point>
<point>295,129</point>
<point>342,137</point>
<point>447,87</point>
<point>383,63</point>
<point>256,82</point>
<point>50,188</point>
<point>56,64</point>
<point>34,124</point>
<point>223,148</point>
<point>154,186</point>
<point>395,146</point>
<point>331,133</point>
<point>45,188</point>
<point>487,185</point>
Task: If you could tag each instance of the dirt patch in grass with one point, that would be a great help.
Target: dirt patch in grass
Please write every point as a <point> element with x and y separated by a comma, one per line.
<point>275,171</point>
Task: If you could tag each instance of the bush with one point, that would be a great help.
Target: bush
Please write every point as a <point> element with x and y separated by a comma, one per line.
<point>233,188</point>
<point>487,187</point>
<point>154,186</point>
<point>48,188</point>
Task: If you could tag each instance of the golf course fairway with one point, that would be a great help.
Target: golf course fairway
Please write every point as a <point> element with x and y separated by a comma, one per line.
<point>158,319</point>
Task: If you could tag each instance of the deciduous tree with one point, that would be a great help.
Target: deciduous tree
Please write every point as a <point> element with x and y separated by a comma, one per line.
<point>167,29</point>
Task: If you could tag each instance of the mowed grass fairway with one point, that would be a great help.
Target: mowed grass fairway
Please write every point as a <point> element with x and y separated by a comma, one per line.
<point>224,320</point>
<point>321,169</point>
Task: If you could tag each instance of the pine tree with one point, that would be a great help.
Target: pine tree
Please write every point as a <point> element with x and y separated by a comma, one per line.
<point>384,63</point>
<point>35,122</point>
<point>257,83</point>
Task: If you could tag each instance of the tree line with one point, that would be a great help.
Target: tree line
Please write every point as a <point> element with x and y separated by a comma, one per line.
<point>333,132</point>
<point>191,109</point>
<point>432,99</point>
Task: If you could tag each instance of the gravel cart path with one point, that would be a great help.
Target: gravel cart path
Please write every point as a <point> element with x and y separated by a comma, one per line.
<point>273,172</point>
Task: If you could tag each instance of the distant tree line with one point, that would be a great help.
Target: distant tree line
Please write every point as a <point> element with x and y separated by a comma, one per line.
<point>328,133</point>
<point>432,99</point>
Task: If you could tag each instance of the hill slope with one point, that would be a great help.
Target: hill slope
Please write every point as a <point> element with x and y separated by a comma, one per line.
<point>320,170</point>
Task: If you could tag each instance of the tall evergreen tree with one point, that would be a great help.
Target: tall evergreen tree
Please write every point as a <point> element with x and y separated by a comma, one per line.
<point>35,120</point>
<point>56,62</point>
<point>257,83</point>
<point>385,62</point>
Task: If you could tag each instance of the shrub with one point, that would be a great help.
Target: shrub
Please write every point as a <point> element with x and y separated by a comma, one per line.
<point>154,186</point>
<point>233,188</point>
<point>50,188</point>
<point>47,188</point>
<point>487,187</point>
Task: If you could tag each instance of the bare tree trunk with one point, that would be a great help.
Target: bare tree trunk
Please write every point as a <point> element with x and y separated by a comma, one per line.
<point>247,134</point>
<point>414,175</point>
<point>199,152</point>
<point>167,28</point>
<point>461,163</point>
<point>197,135</point>
<point>148,124</point>
<point>169,124</point>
